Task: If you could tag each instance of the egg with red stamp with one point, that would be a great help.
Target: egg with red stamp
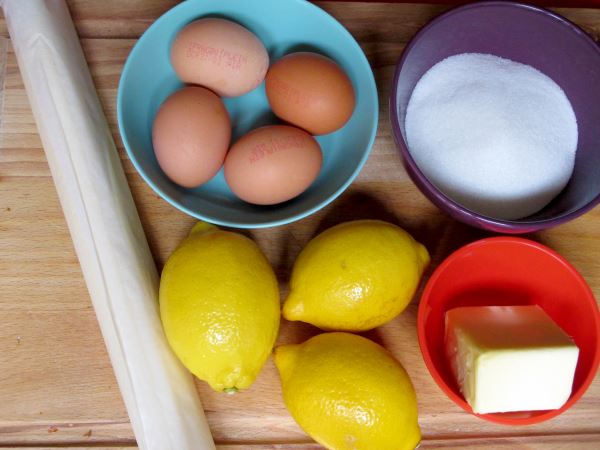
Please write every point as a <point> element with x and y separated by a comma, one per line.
<point>190,135</point>
<point>272,164</point>
<point>310,91</point>
<point>221,55</point>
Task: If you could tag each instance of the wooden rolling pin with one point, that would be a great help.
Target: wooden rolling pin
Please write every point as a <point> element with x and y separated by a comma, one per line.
<point>119,271</point>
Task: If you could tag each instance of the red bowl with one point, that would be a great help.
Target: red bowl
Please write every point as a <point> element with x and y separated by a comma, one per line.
<point>510,271</point>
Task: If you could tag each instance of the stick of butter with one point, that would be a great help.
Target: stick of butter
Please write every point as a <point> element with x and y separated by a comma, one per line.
<point>509,358</point>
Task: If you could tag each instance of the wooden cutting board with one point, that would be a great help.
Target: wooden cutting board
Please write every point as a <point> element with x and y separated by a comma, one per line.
<point>56,382</point>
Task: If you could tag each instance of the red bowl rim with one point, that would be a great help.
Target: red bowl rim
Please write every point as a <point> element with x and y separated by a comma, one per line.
<point>459,400</point>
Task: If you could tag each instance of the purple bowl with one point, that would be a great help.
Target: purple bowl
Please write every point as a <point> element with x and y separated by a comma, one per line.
<point>525,34</point>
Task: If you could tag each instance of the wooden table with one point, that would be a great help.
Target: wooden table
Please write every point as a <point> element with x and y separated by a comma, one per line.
<point>56,383</point>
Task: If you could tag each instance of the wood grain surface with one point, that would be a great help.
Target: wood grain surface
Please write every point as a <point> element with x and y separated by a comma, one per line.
<point>56,383</point>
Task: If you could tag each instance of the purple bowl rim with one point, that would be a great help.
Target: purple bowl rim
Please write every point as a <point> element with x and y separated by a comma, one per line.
<point>443,202</point>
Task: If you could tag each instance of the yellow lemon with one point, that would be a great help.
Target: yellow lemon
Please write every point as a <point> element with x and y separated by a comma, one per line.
<point>349,393</point>
<point>355,276</point>
<point>219,305</point>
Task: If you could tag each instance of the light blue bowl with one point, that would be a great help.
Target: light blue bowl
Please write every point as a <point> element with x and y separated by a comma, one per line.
<point>283,26</point>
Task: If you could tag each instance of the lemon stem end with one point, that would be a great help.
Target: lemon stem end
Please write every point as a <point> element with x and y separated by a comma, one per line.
<point>202,227</point>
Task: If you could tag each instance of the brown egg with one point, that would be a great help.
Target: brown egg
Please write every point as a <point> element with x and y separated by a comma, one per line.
<point>220,55</point>
<point>190,135</point>
<point>272,164</point>
<point>310,91</point>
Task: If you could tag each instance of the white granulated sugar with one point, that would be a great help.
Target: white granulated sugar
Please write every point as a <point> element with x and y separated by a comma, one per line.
<point>494,135</point>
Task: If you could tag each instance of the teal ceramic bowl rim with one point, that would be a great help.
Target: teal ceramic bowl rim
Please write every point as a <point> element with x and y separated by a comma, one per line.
<point>227,223</point>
